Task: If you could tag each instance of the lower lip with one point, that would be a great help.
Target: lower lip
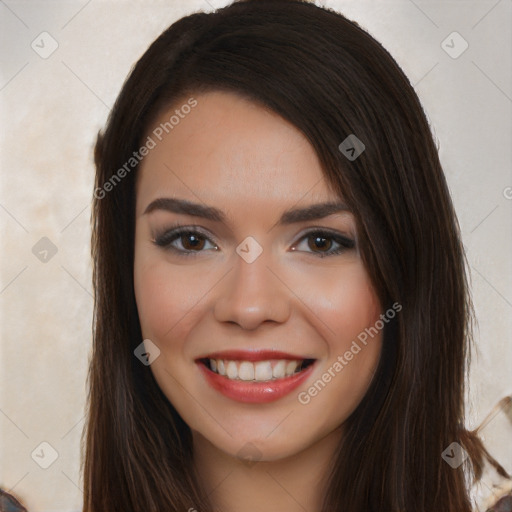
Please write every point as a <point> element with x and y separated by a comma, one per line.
<point>255,392</point>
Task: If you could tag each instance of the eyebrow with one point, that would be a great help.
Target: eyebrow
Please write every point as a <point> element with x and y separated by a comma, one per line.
<point>311,212</point>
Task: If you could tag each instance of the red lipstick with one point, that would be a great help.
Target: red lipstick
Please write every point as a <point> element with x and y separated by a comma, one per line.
<point>252,355</point>
<point>254,391</point>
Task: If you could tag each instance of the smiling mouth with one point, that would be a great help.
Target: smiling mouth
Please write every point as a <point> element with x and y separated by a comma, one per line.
<point>257,371</point>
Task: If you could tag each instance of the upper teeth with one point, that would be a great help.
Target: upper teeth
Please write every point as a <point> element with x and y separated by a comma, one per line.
<point>259,371</point>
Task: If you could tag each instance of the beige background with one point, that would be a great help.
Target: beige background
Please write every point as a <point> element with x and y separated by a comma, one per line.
<point>51,110</point>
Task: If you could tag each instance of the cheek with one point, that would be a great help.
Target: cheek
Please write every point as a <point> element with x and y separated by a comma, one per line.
<point>347,307</point>
<point>356,307</point>
<point>166,299</point>
<point>345,302</point>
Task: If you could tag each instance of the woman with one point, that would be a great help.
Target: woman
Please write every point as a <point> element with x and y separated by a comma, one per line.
<point>282,313</point>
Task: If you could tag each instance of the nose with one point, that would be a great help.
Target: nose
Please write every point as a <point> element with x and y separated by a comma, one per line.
<point>252,294</point>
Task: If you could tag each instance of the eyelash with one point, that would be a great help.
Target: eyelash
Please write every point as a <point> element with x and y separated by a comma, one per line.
<point>165,239</point>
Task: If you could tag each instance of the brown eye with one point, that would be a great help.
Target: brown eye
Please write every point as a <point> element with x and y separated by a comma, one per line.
<point>191,241</point>
<point>320,243</point>
<point>185,241</point>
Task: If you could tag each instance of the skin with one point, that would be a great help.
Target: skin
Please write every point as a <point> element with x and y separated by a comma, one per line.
<point>250,163</point>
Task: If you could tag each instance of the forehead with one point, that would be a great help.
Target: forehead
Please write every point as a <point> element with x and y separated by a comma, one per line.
<point>229,149</point>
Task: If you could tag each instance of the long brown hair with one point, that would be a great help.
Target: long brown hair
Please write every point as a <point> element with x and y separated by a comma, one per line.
<point>330,78</point>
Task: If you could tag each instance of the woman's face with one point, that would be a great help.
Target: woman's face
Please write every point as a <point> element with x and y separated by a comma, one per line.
<point>262,282</point>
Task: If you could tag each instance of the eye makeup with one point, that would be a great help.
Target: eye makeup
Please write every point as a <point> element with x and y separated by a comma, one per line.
<point>195,240</point>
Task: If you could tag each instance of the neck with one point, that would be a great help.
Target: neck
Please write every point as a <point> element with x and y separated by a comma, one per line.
<point>293,484</point>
